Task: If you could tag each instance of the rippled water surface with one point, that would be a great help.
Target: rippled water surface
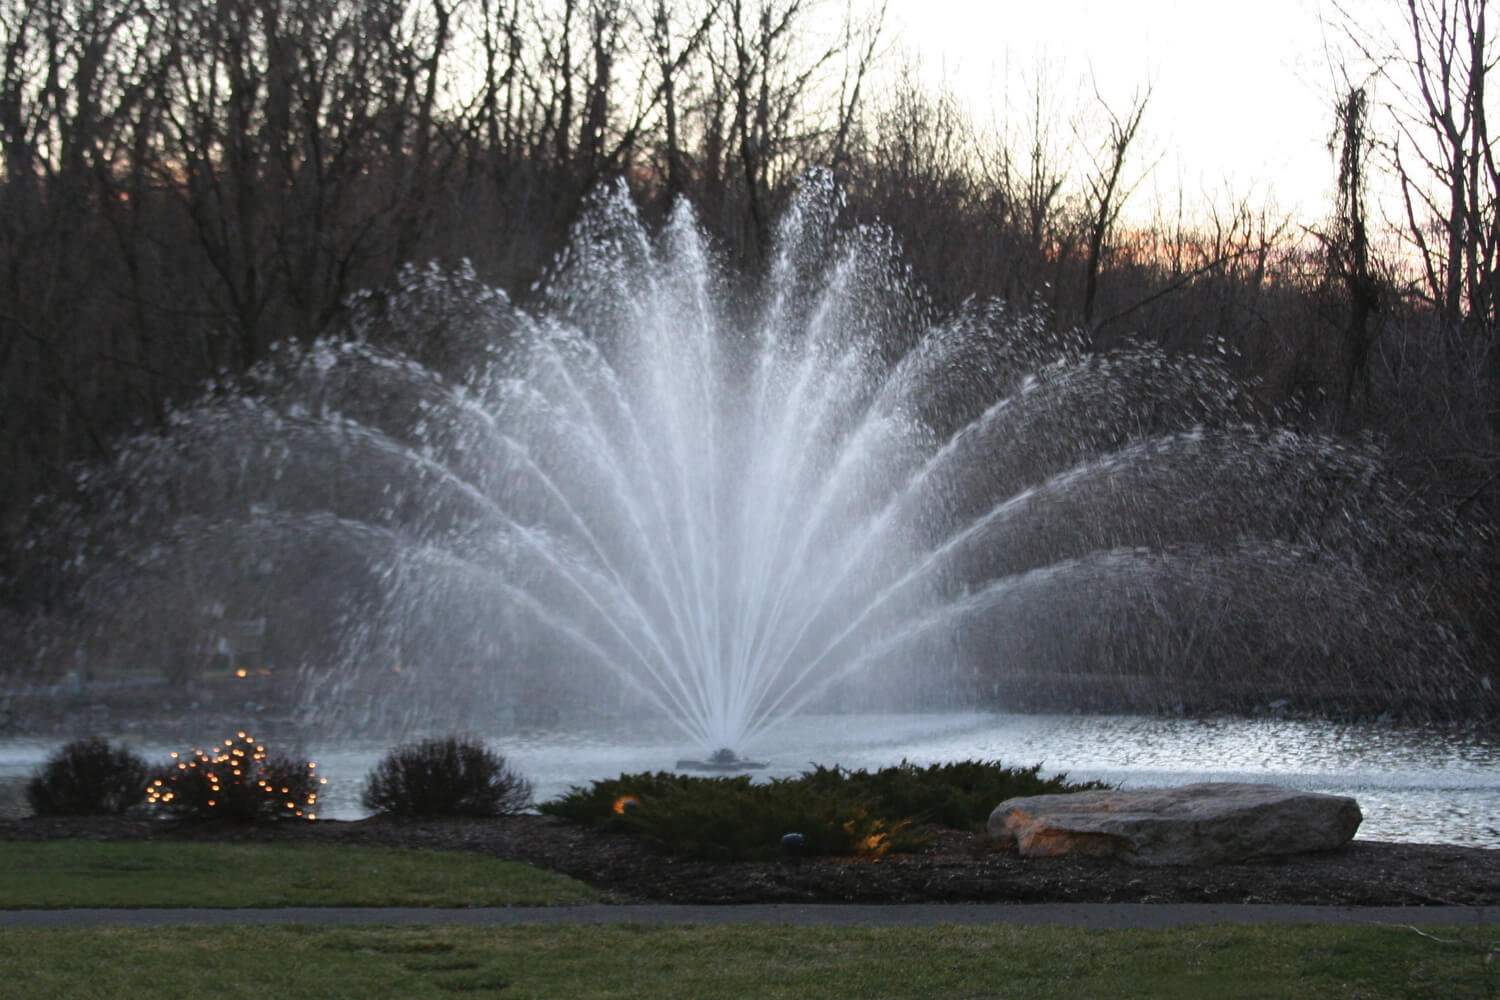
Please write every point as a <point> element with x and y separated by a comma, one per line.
<point>1430,785</point>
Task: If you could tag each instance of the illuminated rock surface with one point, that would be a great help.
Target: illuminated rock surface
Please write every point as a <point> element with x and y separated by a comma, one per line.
<point>1201,824</point>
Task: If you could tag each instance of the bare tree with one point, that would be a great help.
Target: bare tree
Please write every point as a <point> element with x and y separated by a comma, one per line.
<point>1432,67</point>
<point>768,72</point>
<point>1348,245</point>
<point>1440,151</point>
<point>860,45</point>
<point>1444,147</point>
<point>1107,191</point>
<point>1046,171</point>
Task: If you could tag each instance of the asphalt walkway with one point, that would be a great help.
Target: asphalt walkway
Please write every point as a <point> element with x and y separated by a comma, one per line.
<point>1087,915</point>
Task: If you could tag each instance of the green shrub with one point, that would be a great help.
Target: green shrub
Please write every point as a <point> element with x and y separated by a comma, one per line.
<point>88,777</point>
<point>605,804</point>
<point>240,782</point>
<point>446,777</point>
<point>836,811</point>
<point>958,796</point>
<point>723,821</point>
<point>735,819</point>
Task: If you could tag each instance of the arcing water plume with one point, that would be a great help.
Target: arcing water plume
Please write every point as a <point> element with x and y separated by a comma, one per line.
<point>649,490</point>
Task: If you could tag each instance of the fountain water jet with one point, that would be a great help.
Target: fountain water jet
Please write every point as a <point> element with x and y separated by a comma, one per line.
<point>724,509</point>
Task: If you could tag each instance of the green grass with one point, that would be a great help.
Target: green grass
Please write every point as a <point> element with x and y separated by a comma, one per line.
<point>1274,961</point>
<point>53,874</point>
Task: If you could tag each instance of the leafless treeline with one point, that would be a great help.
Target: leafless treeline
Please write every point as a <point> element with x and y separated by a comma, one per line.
<point>186,183</point>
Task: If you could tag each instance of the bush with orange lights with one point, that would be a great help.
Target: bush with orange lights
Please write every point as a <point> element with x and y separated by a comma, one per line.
<point>88,777</point>
<point>239,781</point>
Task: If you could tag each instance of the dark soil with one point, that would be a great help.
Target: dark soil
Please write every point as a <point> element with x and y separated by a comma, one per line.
<point>953,867</point>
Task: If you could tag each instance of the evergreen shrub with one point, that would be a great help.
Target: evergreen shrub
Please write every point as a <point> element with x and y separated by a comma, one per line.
<point>837,812</point>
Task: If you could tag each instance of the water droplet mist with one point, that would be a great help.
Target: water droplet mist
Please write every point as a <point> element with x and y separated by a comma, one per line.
<point>655,492</point>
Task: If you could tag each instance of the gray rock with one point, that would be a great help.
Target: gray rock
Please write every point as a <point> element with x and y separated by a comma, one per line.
<point>1203,824</point>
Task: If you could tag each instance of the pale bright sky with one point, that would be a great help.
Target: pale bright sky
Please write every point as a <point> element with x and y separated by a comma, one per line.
<point>1241,99</point>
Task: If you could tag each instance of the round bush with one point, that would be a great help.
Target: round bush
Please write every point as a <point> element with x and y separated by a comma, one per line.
<point>88,777</point>
<point>239,781</point>
<point>445,777</point>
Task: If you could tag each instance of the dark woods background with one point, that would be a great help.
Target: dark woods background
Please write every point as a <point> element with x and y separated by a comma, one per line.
<point>186,183</point>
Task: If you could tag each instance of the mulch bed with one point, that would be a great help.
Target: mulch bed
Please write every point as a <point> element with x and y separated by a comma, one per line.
<point>953,867</point>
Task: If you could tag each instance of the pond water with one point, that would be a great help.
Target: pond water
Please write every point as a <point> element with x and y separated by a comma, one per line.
<point>1424,785</point>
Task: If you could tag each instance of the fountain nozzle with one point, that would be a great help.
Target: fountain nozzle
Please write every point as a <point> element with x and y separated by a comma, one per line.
<point>722,759</point>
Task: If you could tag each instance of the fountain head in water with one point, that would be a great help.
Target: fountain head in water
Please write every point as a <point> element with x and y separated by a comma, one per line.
<point>645,492</point>
<point>723,761</point>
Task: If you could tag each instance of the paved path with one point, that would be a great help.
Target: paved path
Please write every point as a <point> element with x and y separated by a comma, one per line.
<point>1089,915</point>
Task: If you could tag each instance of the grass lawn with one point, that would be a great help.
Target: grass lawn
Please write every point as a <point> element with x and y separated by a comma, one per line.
<point>1222,961</point>
<point>51,874</point>
<point>1273,961</point>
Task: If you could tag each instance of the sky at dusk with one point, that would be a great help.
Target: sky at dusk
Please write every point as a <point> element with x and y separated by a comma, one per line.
<point>1241,94</point>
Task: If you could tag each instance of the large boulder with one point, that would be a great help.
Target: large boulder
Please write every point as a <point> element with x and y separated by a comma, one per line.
<point>1203,824</point>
